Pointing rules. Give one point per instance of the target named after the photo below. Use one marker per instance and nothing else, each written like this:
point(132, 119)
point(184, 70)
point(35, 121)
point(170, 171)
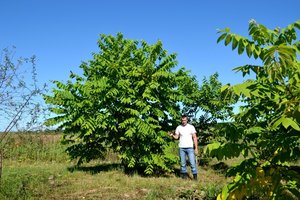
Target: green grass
point(41, 180)
point(35, 167)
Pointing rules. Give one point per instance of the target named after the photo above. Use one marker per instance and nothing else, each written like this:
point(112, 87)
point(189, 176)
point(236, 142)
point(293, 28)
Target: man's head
point(184, 120)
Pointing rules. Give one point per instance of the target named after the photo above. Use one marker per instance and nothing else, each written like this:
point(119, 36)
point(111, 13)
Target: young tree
point(19, 89)
point(126, 100)
point(266, 130)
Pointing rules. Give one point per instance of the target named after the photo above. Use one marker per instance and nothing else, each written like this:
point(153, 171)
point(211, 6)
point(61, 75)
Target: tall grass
point(35, 147)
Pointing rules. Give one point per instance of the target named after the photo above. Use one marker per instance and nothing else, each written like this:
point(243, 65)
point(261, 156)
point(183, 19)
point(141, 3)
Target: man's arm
point(195, 142)
point(174, 135)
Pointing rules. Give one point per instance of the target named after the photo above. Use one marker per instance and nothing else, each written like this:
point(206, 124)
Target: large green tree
point(127, 98)
point(266, 129)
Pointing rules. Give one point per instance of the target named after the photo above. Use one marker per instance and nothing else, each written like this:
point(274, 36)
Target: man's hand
point(171, 134)
point(196, 151)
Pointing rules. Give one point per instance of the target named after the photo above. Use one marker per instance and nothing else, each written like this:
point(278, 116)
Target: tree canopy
point(127, 98)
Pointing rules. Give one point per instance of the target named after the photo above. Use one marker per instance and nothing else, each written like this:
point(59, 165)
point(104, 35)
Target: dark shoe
point(184, 175)
point(195, 177)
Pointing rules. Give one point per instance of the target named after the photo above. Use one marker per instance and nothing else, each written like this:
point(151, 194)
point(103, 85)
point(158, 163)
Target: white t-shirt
point(185, 135)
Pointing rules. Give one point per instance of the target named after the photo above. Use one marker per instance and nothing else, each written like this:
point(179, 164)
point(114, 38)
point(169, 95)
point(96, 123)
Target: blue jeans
point(183, 152)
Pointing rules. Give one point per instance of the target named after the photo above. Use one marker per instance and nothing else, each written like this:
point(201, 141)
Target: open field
point(36, 167)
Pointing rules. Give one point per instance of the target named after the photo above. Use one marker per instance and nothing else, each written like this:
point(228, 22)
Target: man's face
point(184, 121)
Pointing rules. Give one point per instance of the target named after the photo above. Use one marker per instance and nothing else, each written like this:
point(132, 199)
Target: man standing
point(186, 133)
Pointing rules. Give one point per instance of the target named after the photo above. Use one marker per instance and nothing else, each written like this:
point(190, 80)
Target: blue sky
point(63, 33)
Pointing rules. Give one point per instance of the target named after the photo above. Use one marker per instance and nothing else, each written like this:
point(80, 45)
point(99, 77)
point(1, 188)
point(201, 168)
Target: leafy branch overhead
point(266, 129)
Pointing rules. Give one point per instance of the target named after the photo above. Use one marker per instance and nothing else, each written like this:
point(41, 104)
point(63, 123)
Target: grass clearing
point(41, 180)
point(36, 177)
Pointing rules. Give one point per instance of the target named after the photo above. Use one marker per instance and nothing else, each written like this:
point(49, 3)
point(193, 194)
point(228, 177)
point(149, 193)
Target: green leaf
point(256, 129)
point(210, 147)
point(225, 87)
point(235, 43)
point(221, 37)
point(249, 50)
point(241, 89)
point(225, 192)
point(228, 39)
point(286, 122)
point(241, 47)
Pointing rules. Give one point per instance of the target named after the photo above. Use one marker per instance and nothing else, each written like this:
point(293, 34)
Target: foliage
point(207, 108)
point(126, 100)
point(266, 129)
point(208, 100)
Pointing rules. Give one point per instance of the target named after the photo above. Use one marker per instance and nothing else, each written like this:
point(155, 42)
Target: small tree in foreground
point(19, 89)
point(266, 129)
point(126, 100)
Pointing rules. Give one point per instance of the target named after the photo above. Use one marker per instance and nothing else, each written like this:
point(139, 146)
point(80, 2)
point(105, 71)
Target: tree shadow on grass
point(221, 167)
point(177, 172)
point(105, 167)
point(96, 169)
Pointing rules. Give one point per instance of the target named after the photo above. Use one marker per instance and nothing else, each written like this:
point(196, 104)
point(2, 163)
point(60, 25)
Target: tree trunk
point(1, 162)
